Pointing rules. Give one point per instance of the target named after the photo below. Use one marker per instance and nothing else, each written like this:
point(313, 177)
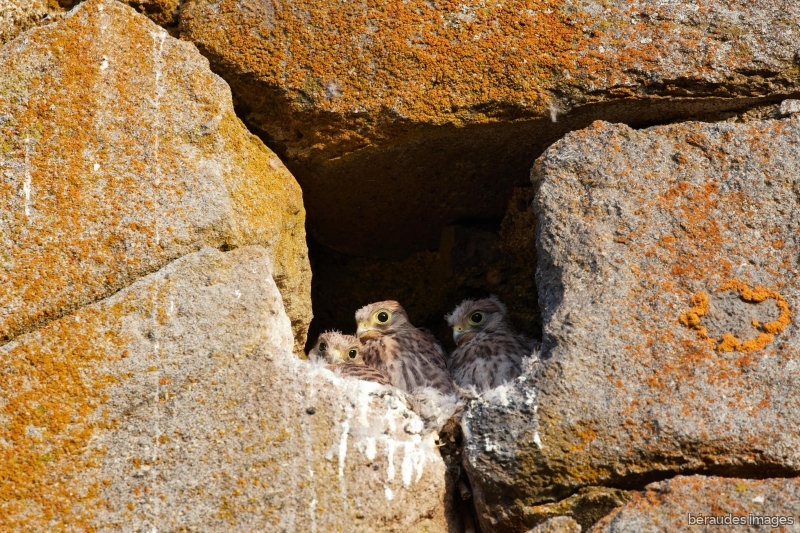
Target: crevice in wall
point(474, 259)
point(589, 504)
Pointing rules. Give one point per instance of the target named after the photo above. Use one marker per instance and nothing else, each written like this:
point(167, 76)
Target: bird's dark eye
point(383, 317)
point(352, 353)
point(476, 318)
point(323, 347)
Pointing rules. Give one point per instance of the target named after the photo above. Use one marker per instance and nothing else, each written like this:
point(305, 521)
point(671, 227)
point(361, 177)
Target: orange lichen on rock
point(759, 294)
point(52, 389)
point(691, 318)
point(729, 342)
point(115, 189)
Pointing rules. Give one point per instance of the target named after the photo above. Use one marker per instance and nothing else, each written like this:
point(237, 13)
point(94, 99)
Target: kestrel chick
point(362, 372)
point(335, 347)
point(410, 357)
point(343, 352)
point(488, 351)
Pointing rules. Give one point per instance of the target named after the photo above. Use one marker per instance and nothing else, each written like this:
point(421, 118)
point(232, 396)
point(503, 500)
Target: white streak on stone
point(370, 451)
point(389, 493)
point(538, 440)
point(422, 457)
point(390, 447)
point(343, 446)
point(26, 187)
point(407, 467)
point(364, 402)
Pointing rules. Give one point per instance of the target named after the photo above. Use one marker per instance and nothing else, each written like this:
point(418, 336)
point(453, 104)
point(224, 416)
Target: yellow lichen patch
point(729, 342)
point(52, 389)
point(270, 212)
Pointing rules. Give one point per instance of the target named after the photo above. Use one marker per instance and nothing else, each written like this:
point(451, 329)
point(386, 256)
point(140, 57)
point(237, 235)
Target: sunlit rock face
point(668, 284)
point(120, 153)
point(711, 502)
point(400, 118)
point(177, 404)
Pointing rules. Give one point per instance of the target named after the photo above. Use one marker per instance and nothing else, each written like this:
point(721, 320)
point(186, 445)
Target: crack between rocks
point(641, 486)
point(754, 472)
point(136, 276)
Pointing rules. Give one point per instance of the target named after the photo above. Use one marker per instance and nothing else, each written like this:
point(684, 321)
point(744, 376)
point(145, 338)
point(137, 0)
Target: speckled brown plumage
point(489, 352)
point(343, 352)
point(410, 357)
point(362, 372)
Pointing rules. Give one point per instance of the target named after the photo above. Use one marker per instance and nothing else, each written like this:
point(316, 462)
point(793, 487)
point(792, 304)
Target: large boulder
point(400, 118)
point(177, 405)
point(120, 152)
point(668, 282)
point(709, 503)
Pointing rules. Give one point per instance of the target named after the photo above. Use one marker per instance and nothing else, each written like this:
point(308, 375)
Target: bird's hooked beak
point(365, 333)
point(460, 335)
point(335, 356)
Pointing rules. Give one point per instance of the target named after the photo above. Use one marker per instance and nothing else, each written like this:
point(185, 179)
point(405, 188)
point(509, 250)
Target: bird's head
point(474, 316)
point(336, 348)
point(380, 318)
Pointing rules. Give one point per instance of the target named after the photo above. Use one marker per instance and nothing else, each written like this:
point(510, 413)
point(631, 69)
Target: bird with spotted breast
point(410, 357)
point(488, 351)
point(343, 353)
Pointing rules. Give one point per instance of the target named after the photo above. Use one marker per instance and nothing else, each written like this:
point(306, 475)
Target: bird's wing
point(434, 350)
point(363, 372)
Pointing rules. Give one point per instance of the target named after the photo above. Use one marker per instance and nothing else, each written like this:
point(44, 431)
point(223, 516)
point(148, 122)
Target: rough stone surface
point(400, 117)
point(790, 107)
point(558, 524)
point(642, 237)
point(177, 405)
point(765, 505)
point(17, 16)
point(119, 152)
point(585, 507)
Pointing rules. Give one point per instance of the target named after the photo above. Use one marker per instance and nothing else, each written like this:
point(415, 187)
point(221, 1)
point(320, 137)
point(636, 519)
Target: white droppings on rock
point(538, 440)
point(415, 426)
point(364, 401)
point(343, 445)
point(490, 446)
point(370, 451)
point(408, 465)
point(26, 187)
point(390, 447)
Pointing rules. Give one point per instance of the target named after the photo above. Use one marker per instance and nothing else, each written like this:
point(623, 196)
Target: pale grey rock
point(790, 107)
point(177, 405)
point(700, 503)
point(558, 524)
point(634, 226)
